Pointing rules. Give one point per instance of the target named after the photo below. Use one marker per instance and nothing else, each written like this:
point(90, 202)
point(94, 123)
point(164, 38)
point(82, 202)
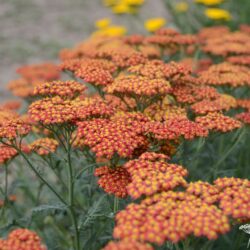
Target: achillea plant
point(134, 148)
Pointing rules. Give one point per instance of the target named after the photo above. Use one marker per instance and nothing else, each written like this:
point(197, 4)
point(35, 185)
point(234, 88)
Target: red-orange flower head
point(226, 74)
point(222, 103)
point(106, 137)
point(13, 128)
point(23, 239)
point(151, 174)
point(53, 110)
point(44, 71)
point(138, 85)
point(244, 117)
point(6, 153)
point(174, 128)
point(64, 89)
point(113, 181)
point(170, 216)
point(44, 146)
point(234, 198)
point(127, 245)
point(218, 122)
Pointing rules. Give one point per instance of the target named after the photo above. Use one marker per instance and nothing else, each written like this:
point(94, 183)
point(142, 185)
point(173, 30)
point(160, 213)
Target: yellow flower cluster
point(123, 6)
point(106, 28)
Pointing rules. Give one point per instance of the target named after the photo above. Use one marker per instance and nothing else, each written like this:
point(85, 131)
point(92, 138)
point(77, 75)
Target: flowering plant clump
point(129, 143)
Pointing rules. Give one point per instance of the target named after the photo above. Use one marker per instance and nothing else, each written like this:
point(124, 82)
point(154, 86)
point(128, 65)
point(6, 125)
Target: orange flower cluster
point(68, 89)
point(22, 87)
point(218, 122)
point(13, 128)
point(6, 153)
point(151, 174)
point(44, 71)
point(174, 128)
point(226, 74)
point(222, 103)
point(10, 105)
point(107, 137)
point(244, 117)
point(202, 210)
point(138, 85)
point(52, 110)
point(158, 69)
point(244, 103)
point(226, 44)
point(191, 93)
point(44, 146)
point(32, 75)
point(22, 239)
point(57, 110)
point(113, 181)
point(234, 197)
point(127, 245)
point(165, 111)
point(170, 216)
point(240, 60)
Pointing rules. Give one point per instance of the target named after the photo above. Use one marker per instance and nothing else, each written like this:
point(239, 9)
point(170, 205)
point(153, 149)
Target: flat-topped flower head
point(113, 181)
point(170, 216)
point(234, 197)
point(43, 71)
point(6, 153)
point(244, 117)
point(53, 110)
point(243, 60)
point(13, 128)
point(64, 89)
point(222, 103)
point(44, 146)
point(243, 103)
point(22, 87)
point(227, 44)
point(226, 74)
point(138, 85)
point(151, 174)
point(218, 122)
point(23, 239)
point(127, 245)
point(191, 93)
point(107, 137)
point(174, 128)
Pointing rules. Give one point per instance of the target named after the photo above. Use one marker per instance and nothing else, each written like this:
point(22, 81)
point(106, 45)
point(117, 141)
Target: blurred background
point(35, 30)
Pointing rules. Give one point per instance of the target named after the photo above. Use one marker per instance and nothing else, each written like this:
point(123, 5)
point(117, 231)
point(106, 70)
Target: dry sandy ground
point(35, 30)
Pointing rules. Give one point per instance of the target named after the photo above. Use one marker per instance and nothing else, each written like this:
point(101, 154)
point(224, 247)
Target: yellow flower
point(133, 2)
point(154, 24)
point(181, 7)
point(122, 8)
point(102, 23)
point(114, 30)
point(217, 14)
point(209, 2)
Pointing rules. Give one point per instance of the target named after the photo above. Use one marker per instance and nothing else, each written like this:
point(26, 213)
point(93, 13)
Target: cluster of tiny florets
point(218, 122)
point(113, 181)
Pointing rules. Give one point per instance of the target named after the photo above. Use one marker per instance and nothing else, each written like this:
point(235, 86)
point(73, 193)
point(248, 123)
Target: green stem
point(39, 176)
point(227, 153)
point(116, 204)
point(6, 184)
point(71, 194)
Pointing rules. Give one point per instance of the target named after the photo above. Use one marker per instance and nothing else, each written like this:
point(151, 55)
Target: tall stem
point(6, 184)
point(71, 194)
